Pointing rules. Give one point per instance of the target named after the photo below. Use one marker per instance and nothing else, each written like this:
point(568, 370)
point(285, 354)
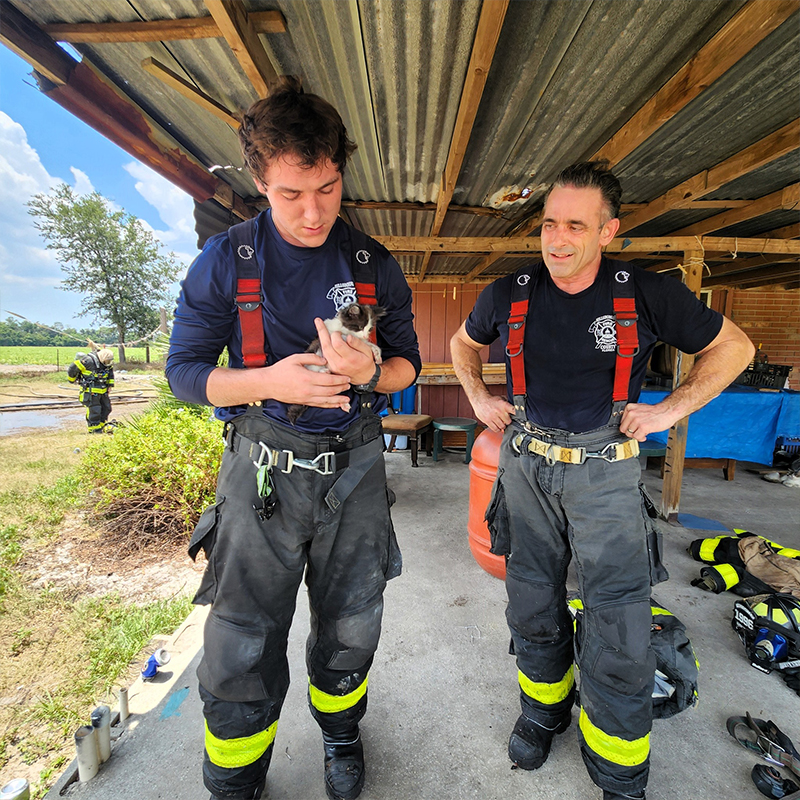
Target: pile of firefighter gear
point(776, 748)
point(94, 373)
point(767, 576)
point(677, 668)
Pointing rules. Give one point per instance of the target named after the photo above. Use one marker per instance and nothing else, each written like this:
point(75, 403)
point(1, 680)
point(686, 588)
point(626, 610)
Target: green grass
point(61, 356)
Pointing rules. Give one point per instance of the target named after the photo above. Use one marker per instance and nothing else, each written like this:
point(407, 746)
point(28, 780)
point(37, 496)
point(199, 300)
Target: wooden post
point(676, 442)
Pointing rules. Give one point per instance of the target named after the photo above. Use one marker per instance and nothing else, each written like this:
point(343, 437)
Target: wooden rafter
point(744, 31)
point(770, 148)
point(750, 263)
point(493, 12)
point(757, 277)
point(786, 232)
point(82, 91)
point(380, 205)
point(786, 198)
point(532, 244)
point(242, 38)
point(160, 30)
point(172, 79)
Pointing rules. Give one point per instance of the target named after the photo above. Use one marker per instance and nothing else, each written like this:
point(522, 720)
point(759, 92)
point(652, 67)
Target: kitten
point(357, 319)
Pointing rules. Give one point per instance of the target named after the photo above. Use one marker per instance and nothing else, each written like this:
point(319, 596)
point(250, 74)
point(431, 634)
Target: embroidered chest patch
point(343, 294)
point(605, 333)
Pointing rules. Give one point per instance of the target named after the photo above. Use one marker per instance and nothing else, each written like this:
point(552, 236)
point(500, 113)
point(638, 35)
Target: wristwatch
point(368, 388)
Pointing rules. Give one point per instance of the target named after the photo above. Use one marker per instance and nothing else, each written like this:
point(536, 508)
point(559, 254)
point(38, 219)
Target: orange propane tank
point(483, 471)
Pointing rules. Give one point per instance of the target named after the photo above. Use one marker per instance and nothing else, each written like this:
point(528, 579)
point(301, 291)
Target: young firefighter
point(308, 499)
point(579, 329)
point(94, 373)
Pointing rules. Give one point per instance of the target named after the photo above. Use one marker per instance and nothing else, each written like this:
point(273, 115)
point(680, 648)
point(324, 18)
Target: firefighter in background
point(94, 373)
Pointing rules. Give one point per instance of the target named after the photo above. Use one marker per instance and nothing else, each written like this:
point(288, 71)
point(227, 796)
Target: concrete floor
point(443, 690)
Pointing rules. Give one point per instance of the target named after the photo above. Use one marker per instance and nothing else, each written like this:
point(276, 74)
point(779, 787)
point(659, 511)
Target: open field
point(59, 356)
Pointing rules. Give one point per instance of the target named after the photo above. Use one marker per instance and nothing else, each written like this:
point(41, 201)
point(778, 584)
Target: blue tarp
point(743, 423)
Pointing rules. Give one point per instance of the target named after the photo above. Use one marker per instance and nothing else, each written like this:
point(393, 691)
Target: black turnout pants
point(541, 517)
point(254, 571)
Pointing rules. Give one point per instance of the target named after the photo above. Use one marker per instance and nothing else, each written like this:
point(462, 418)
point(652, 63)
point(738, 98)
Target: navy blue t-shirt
point(570, 339)
point(299, 283)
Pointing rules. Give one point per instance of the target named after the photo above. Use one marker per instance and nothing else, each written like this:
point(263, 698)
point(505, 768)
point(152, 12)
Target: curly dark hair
point(289, 121)
point(592, 175)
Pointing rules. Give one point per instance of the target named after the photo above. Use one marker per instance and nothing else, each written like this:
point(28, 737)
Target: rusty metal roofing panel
point(568, 74)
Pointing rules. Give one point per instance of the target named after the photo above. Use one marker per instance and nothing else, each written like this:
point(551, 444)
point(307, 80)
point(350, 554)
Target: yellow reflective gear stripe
point(707, 549)
point(331, 703)
point(657, 610)
point(229, 753)
point(576, 602)
point(789, 552)
point(728, 573)
point(547, 693)
point(612, 748)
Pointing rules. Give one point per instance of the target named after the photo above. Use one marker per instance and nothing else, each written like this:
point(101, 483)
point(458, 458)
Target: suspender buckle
point(628, 355)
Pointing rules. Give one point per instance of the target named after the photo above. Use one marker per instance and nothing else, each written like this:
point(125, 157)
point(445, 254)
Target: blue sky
point(42, 145)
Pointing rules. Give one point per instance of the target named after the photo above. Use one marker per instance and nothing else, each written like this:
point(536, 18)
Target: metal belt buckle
point(602, 453)
point(267, 451)
point(327, 459)
point(515, 443)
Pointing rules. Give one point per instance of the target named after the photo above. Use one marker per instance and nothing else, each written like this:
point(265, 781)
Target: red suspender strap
point(248, 294)
point(363, 268)
point(516, 335)
point(627, 335)
point(248, 301)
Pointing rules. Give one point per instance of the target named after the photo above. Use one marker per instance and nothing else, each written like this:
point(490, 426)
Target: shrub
point(153, 478)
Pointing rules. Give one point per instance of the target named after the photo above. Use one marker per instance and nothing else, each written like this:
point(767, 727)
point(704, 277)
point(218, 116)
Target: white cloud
point(29, 273)
point(83, 184)
point(174, 206)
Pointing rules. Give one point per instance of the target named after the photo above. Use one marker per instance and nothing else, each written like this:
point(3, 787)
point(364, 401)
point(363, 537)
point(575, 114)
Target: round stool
point(453, 424)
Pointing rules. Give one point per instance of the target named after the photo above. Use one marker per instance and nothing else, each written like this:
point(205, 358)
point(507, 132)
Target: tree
point(109, 257)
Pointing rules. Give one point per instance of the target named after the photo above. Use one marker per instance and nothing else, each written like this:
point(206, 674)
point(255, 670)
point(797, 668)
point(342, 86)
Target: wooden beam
point(103, 106)
point(754, 22)
point(379, 205)
point(243, 40)
point(754, 262)
point(676, 440)
point(173, 80)
point(770, 148)
point(786, 232)
point(490, 22)
point(756, 277)
point(786, 198)
point(533, 244)
point(482, 267)
point(158, 30)
point(25, 38)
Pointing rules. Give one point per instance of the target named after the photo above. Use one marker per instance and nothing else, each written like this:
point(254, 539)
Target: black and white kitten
point(357, 319)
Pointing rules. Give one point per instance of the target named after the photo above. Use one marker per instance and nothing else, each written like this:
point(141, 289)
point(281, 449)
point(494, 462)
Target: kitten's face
point(360, 318)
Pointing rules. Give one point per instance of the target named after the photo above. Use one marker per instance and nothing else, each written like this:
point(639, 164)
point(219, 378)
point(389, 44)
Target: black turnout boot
point(530, 741)
point(344, 765)
point(616, 796)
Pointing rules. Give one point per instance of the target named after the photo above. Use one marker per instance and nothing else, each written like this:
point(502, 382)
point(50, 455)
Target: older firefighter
point(94, 373)
point(578, 330)
point(305, 500)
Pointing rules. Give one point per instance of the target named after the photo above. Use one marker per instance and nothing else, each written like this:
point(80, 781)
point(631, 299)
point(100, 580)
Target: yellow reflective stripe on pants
point(230, 753)
point(707, 549)
point(612, 748)
point(547, 693)
point(728, 574)
point(331, 703)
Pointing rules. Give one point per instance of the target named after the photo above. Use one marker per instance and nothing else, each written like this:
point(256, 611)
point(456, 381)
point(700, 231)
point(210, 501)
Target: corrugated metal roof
point(756, 97)
point(566, 75)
